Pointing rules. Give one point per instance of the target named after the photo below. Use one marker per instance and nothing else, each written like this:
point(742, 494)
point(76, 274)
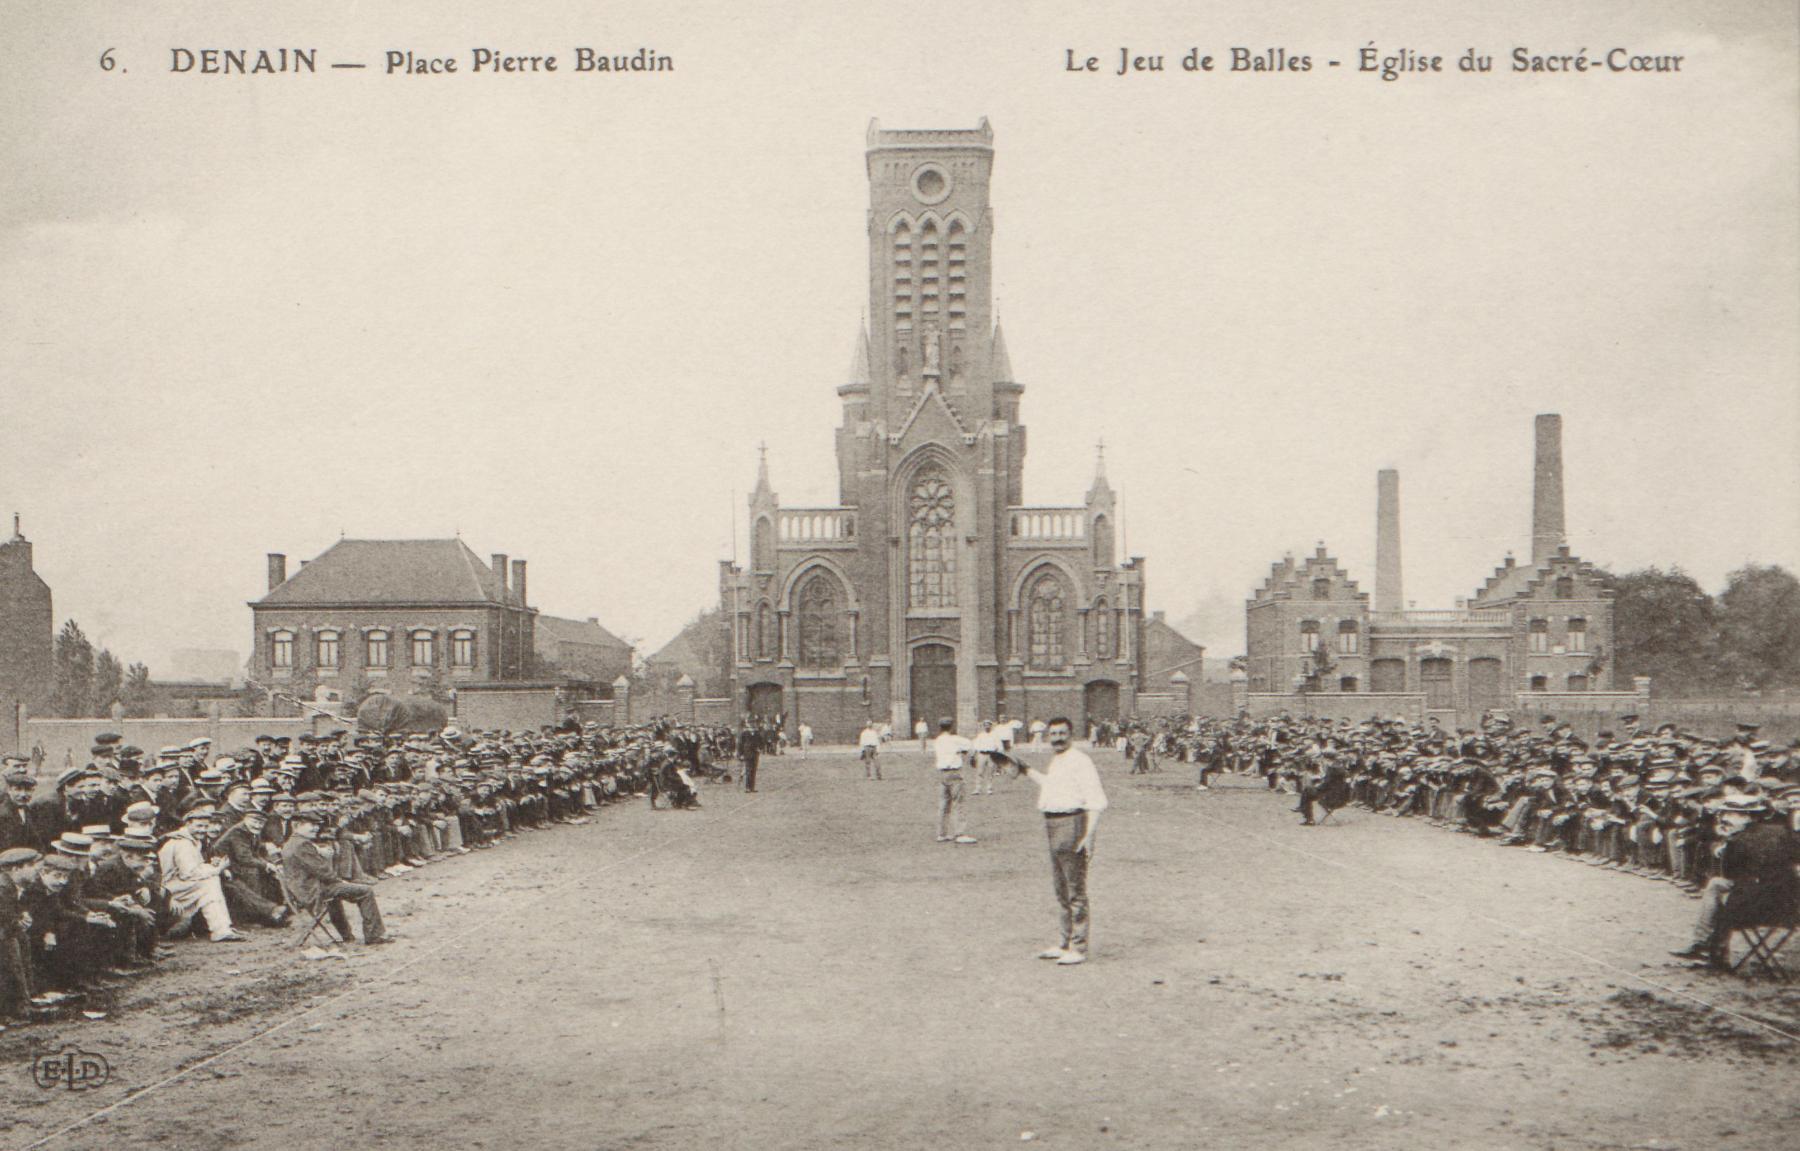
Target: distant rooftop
point(393, 572)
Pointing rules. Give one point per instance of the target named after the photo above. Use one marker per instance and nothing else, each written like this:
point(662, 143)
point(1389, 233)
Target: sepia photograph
point(809, 576)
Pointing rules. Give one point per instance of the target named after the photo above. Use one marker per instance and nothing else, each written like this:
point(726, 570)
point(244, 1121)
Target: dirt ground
point(806, 968)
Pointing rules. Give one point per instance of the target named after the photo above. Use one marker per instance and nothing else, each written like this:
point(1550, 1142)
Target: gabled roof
point(1508, 580)
point(1287, 574)
point(393, 572)
point(931, 392)
point(684, 651)
point(557, 629)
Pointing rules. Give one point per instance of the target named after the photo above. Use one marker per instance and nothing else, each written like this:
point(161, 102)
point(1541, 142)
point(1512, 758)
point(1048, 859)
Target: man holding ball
point(1071, 800)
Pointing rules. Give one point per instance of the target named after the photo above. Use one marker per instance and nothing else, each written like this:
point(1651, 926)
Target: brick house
point(27, 635)
point(581, 650)
point(413, 616)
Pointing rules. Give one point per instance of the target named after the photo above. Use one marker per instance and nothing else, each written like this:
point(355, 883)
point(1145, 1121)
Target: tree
point(72, 674)
point(1665, 626)
point(109, 683)
point(1759, 628)
point(138, 700)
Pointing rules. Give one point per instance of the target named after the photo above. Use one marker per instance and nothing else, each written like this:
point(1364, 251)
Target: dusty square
point(806, 968)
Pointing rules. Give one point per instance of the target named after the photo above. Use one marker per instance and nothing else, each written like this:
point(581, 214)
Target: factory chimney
point(1388, 594)
point(1547, 533)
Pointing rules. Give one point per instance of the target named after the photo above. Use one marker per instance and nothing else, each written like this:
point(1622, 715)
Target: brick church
point(932, 589)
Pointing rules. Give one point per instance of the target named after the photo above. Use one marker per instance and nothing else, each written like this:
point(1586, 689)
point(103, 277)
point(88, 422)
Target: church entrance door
point(765, 700)
point(933, 683)
point(1100, 701)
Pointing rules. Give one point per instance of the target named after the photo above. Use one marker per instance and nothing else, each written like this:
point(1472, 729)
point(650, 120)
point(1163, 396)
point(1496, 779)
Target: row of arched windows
point(821, 638)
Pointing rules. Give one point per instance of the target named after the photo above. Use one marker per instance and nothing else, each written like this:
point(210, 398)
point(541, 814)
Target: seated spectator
point(313, 880)
point(1756, 881)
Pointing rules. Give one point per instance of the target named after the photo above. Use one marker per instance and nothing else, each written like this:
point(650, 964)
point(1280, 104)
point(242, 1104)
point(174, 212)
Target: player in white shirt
point(1071, 800)
point(987, 747)
point(870, 744)
point(951, 753)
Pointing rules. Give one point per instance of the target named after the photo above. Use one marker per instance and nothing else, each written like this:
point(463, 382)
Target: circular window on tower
point(930, 184)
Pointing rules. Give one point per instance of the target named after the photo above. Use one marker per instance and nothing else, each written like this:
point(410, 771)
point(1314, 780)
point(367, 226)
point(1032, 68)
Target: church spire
point(762, 469)
point(1100, 492)
point(1003, 369)
point(859, 362)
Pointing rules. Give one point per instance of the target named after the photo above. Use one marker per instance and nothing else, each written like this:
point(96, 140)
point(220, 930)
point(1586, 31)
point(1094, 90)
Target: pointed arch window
point(762, 546)
point(821, 615)
point(1103, 630)
point(765, 632)
point(1047, 612)
point(931, 542)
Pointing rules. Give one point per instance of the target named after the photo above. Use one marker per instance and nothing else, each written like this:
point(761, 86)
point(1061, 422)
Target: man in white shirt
point(951, 752)
point(1071, 800)
point(987, 748)
point(870, 744)
point(922, 731)
point(806, 738)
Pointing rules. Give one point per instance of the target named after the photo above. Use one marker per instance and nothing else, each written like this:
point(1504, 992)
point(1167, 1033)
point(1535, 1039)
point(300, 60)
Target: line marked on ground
point(387, 982)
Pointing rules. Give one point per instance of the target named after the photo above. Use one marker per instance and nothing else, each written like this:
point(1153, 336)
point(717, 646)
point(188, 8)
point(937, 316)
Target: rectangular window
point(1578, 635)
point(325, 651)
point(1540, 636)
point(378, 649)
point(1540, 683)
point(1347, 684)
point(1578, 683)
point(1349, 638)
point(423, 649)
point(281, 649)
point(462, 649)
point(1309, 635)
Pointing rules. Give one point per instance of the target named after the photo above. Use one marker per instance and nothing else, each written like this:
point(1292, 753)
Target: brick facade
point(931, 589)
point(1537, 628)
point(415, 617)
point(27, 636)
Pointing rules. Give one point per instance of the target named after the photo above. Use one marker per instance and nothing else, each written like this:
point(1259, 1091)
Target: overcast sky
point(556, 313)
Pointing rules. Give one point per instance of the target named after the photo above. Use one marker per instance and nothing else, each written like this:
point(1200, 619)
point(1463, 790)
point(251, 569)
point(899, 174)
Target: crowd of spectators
point(104, 866)
point(1665, 804)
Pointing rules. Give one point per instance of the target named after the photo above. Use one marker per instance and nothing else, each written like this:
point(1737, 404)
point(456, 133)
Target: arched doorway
point(1387, 675)
point(1487, 685)
point(764, 700)
point(1437, 677)
point(933, 683)
point(1099, 704)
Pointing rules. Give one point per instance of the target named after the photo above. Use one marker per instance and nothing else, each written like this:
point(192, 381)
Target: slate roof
point(556, 629)
point(393, 572)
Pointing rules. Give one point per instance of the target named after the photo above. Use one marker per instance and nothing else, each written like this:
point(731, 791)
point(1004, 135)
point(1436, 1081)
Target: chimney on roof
point(277, 570)
point(1547, 532)
point(519, 580)
point(595, 620)
point(1388, 596)
point(499, 561)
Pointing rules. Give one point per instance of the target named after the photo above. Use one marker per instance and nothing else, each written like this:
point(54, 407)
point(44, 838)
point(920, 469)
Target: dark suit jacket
point(241, 847)
point(15, 831)
point(307, 872)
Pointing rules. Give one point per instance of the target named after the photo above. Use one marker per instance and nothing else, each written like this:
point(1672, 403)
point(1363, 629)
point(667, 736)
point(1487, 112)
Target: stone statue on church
point(900, 364)
point(931, 351)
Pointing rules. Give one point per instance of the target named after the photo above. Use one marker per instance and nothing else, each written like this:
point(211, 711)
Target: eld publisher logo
point(72, 1069)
